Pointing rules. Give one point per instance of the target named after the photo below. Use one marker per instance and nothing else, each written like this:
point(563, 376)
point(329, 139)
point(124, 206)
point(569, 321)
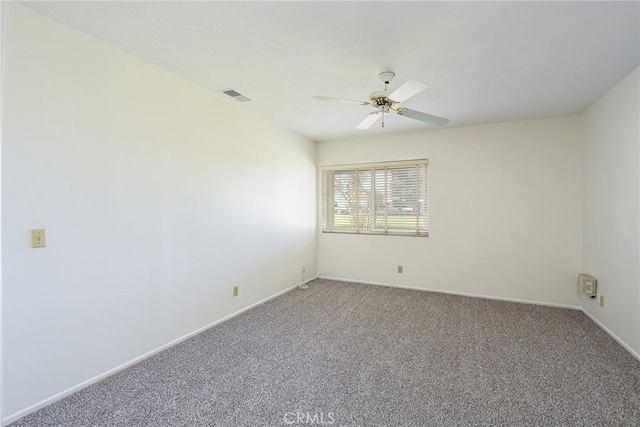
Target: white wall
point(157, 196)
point(611, 213)
point(2, 15)
point(504, 212)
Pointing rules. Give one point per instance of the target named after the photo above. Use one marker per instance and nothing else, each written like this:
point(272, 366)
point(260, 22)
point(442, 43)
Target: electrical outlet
point(601, 300)
point(235, 291)
point(38, 238)
point(400, 269)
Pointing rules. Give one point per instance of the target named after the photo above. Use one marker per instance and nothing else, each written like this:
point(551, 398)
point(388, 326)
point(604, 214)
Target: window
point(376, 198)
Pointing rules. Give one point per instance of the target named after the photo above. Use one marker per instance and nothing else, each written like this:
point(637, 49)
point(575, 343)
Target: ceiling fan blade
point(340, 100)
point(368, 121)
point(408, 89)
point(423, 117)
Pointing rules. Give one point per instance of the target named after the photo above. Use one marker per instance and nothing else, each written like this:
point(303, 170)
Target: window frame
point(368, 206)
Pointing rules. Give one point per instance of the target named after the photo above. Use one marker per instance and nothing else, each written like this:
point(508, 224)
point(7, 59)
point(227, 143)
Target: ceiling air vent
point(236, 95)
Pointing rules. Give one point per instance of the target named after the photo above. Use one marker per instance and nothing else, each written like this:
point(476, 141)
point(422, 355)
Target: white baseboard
point(611, 334)
point(15, 416)
point(464, 294)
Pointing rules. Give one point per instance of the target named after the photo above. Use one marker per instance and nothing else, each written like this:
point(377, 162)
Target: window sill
point(379, 233)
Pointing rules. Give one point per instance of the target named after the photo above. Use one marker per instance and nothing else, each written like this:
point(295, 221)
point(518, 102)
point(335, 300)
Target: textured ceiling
point(484, 61)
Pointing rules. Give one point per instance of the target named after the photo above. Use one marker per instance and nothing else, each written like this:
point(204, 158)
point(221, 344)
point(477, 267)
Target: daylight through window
point(376, 198)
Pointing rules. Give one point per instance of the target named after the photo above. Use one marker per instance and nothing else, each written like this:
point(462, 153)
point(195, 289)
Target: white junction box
point(588, 284)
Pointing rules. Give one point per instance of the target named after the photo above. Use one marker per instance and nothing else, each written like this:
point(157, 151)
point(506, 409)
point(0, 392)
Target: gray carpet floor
point(347, 354)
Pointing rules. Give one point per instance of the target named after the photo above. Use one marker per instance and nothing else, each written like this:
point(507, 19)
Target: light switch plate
point(38, 238)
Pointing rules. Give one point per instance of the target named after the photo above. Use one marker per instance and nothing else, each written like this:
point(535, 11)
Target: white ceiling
point(484, 61)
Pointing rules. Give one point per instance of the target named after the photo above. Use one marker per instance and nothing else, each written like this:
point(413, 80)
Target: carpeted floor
point(347, 354)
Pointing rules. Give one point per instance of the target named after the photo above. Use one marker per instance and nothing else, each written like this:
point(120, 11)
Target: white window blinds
point(376, 198)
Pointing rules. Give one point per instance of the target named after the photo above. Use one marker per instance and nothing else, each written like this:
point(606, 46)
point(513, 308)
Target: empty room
point(368, 213)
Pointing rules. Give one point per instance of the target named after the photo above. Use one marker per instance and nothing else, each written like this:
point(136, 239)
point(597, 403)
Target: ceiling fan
point(384, 102)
